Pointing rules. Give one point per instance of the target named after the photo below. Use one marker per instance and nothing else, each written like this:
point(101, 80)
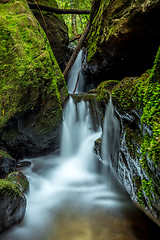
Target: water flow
point(111, 133)
point(68, 197)
point(74, 74)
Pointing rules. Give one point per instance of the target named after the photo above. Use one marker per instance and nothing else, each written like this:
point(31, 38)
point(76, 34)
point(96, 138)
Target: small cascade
point(77, 125)
point(111, 133)
point(69, 198)
point(74, 74)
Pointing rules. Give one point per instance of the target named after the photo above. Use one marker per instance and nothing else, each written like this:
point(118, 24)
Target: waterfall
point(69, 198)
point(110, 138)
point(73, 76)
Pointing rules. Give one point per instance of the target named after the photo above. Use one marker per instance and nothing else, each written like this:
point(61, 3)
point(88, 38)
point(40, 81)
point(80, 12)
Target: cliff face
point(137, 166)
point(56, 30)
point(123, 39)
point(32, 87)
point(123, 42)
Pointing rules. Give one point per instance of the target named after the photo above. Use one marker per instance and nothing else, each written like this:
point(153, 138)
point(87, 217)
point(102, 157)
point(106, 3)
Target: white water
point(73, 75)
point(111, 132)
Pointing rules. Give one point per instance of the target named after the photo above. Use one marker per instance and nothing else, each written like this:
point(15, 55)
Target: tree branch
point(75, 38)
point(58, 11)
point(75, 52)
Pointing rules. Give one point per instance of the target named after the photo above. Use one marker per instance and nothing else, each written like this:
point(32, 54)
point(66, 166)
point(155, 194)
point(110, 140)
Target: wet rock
point(137, 165)
point(12, 204)
point(23, 164)
point(7, 165)
point(20, 180)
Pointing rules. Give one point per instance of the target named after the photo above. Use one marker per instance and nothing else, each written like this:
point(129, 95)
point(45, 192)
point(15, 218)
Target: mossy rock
point(104, 89)
point(20, 180)
point(32, 87)
point(55, 29)
point(13, 204)
point(4, 154)
point(139, 98)
point(123, 38)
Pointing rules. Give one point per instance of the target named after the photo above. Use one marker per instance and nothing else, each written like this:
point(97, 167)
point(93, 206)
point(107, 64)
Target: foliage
point(81, 20)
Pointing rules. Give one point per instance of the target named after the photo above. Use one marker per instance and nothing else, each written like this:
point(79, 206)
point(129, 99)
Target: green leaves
point(81, 20)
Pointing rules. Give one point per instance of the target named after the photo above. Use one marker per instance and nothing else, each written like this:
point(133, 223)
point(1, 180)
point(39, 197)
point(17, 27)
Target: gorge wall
point(124, 42)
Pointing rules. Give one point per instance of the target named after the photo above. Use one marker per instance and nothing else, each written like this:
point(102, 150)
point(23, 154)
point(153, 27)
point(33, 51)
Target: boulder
point(55, 29)
point(32, 87)
point(20, 180)
point(12, 204)
point(123, 39)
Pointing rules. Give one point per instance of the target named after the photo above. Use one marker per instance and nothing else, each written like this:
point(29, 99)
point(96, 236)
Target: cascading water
point(74, 74)
point(111, 133)
point(68, 198)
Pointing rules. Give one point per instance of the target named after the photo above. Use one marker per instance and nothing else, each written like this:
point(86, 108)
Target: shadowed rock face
point(123, 39)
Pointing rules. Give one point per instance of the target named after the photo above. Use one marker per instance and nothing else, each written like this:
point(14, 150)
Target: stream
point(73, 196)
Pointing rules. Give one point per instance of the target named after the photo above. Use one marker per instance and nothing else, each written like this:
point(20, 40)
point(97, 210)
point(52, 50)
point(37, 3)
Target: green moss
point(4, 154)
point(20, 180)
point(49, 3)
point(123, 93)
point(95, 31)
point(29, 73)
point(143, 95)
point(8, 188)
point(104, 89)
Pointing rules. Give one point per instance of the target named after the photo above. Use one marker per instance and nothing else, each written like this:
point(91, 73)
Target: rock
point(138, 163)
point(13, 204)
point(23, 164)
point(20, 180)
point(57, 31)
point(32, 87)
point(7, 165)
point(123, 39)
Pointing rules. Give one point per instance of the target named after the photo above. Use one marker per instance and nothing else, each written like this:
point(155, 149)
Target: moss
point(29, 73)
point(123, 93)
point(104, 89)
point(103, 28)
point(143, 95)
point(50, 3)
point(4, 154)
point(8, 188)
point(95, 33)
point(20, 180)
point(149, 96)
